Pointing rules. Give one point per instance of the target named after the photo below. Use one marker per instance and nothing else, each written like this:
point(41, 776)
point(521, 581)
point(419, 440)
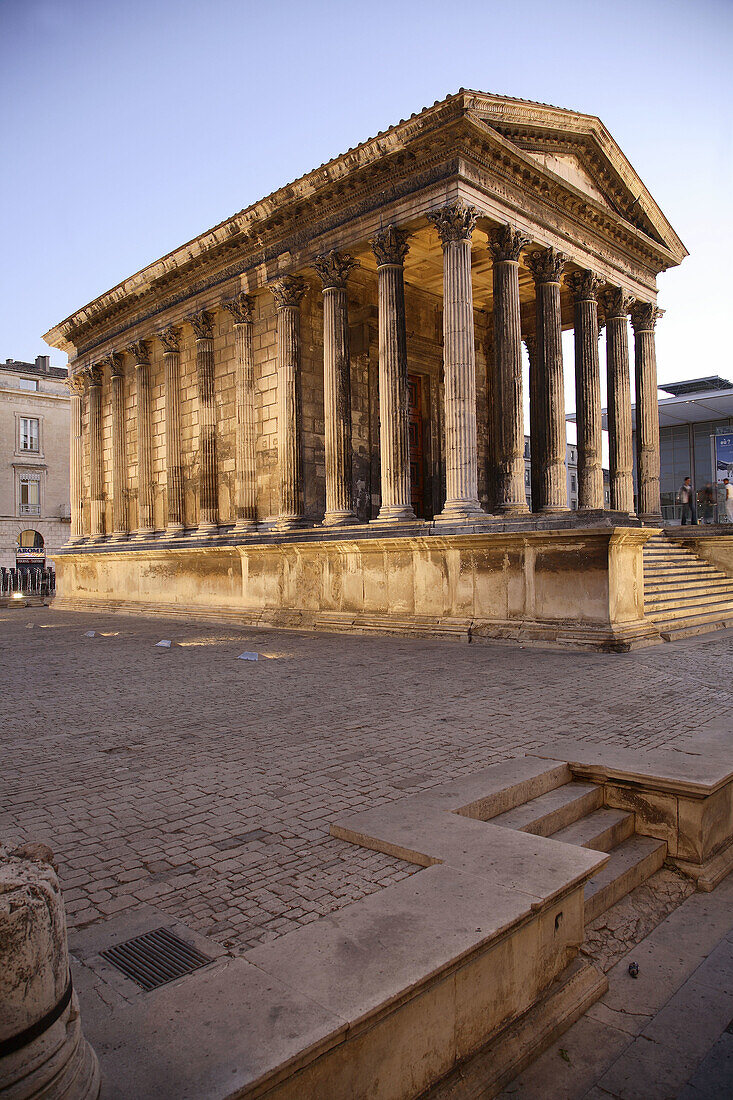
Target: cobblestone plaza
point(186, 779)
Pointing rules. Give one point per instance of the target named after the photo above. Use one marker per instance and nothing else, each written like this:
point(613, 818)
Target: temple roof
point(561, 146)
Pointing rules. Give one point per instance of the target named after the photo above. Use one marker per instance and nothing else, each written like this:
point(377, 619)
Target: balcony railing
point(30, 509)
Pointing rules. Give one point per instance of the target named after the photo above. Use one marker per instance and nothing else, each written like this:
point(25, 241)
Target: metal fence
point(27, 580)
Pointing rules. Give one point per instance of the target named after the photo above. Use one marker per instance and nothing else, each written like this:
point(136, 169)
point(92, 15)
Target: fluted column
point(119, 450)
point(536, 422)
point(455, 223)
point(245, 486)
point(506, 243)
point(616, 306)
point(96, 477)
point(202, 324)
point(584, 286)
point(76, 457)
point(288, 293)
point(170, 339)
point(493, 419)
point(546, 266)
point(644, 317)
point(333, 269)
point(139, 351)
point(390, 248)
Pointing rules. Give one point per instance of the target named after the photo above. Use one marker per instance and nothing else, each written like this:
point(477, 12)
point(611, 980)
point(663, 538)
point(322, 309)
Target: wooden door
point(417, 444)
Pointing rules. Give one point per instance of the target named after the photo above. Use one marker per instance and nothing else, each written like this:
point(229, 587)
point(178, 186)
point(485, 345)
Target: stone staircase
point(683, 593)
point(573, 812)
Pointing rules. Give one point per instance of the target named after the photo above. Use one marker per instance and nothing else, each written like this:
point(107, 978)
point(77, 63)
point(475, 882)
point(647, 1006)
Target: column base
point(120, 536)
point(77, 540)
point(339, 519)
point(142, 534)
point(460, 513)
point(393, 514)
point(98, 537)
point(174, 531)
point(651, 519)
point(553, 510)
point(509, 509)
point(207, 528)
point(290, 523)
point(244, 527)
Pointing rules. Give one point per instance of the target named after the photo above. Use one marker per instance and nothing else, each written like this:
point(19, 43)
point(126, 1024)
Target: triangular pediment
point(569, 167)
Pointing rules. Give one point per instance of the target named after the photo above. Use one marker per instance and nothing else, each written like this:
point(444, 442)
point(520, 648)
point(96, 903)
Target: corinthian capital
point(546, 265)
point(240, 307)
point(584, 285)
point(455, 221)
point(616, 302)
point(390, 245)
point(644, 316)
point(93, 375)
point(202, 324)
point(333, 268)
point(288, 291)
point(140, 352)
point(170, 338)
point(75, 382)
point(114, 363)
point(506, 243)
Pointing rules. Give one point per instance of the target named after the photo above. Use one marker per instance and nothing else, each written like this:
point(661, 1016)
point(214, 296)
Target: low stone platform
point(386, 997)
point(571, 585)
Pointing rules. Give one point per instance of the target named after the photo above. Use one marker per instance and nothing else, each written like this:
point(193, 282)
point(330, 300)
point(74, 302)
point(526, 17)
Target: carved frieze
point(546, 265)
point(333, 268)
point(455, 221)
point(240, 307)
point(389, 245)
point(288, 291)
point(506, 243)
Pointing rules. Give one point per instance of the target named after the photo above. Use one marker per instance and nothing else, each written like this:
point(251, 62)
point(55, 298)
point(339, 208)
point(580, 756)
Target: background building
point(571, 462)
point(34, 461)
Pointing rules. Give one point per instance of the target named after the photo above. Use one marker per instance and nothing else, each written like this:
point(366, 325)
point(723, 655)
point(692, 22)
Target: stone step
point(688, 627)
point(707, 601)
point(670, 575)
point(630, 864)
point(600, 830)
point(698, 584)
point(554, 810)
point(690, 610)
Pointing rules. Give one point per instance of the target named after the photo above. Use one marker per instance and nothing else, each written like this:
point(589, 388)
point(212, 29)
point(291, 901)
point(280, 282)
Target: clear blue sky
point(127, 128)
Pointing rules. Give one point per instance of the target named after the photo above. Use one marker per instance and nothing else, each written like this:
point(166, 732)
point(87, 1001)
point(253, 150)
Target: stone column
point(333, 269)
point(390, 248)
point(506, 244)
point(170, 339)
point(536, 422)
point(287, 293)
point(96, 477)
point(584, 286)
point(455, 223)
point(202, 324)
point(493, 419)
point(546, 266)
point(616, 306)
point(76, 458)
point(245, 493)
point(644, 317)
point(119, 449)
point(141, 358)
point(43, 1052)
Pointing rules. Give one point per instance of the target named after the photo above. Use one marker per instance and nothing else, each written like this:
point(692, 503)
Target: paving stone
point(134, 769)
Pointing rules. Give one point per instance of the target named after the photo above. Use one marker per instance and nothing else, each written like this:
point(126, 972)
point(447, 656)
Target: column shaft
point(119, 451)
point(455, 223)
point(173, 466)
point(96, 477)
point(288, 292)
point(246, 474)
point(643, 318)
point(584, 286)
point(390, 248)
point(139, 353)
point(506, 244)
point(547, 266)
point(76, 459)
point(203, 327)
point(536, 422)
point(616, 306)
point(333, 269)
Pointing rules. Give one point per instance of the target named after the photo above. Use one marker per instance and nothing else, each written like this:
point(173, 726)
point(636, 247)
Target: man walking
point(684, 496)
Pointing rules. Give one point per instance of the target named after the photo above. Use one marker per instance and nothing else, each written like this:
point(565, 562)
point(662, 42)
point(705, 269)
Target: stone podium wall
point(583, 586)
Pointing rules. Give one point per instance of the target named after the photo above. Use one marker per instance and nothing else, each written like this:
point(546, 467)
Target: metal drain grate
point(155, 958)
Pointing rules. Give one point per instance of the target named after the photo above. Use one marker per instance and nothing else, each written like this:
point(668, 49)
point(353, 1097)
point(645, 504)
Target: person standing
point(684, 496)
point(728, 499)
